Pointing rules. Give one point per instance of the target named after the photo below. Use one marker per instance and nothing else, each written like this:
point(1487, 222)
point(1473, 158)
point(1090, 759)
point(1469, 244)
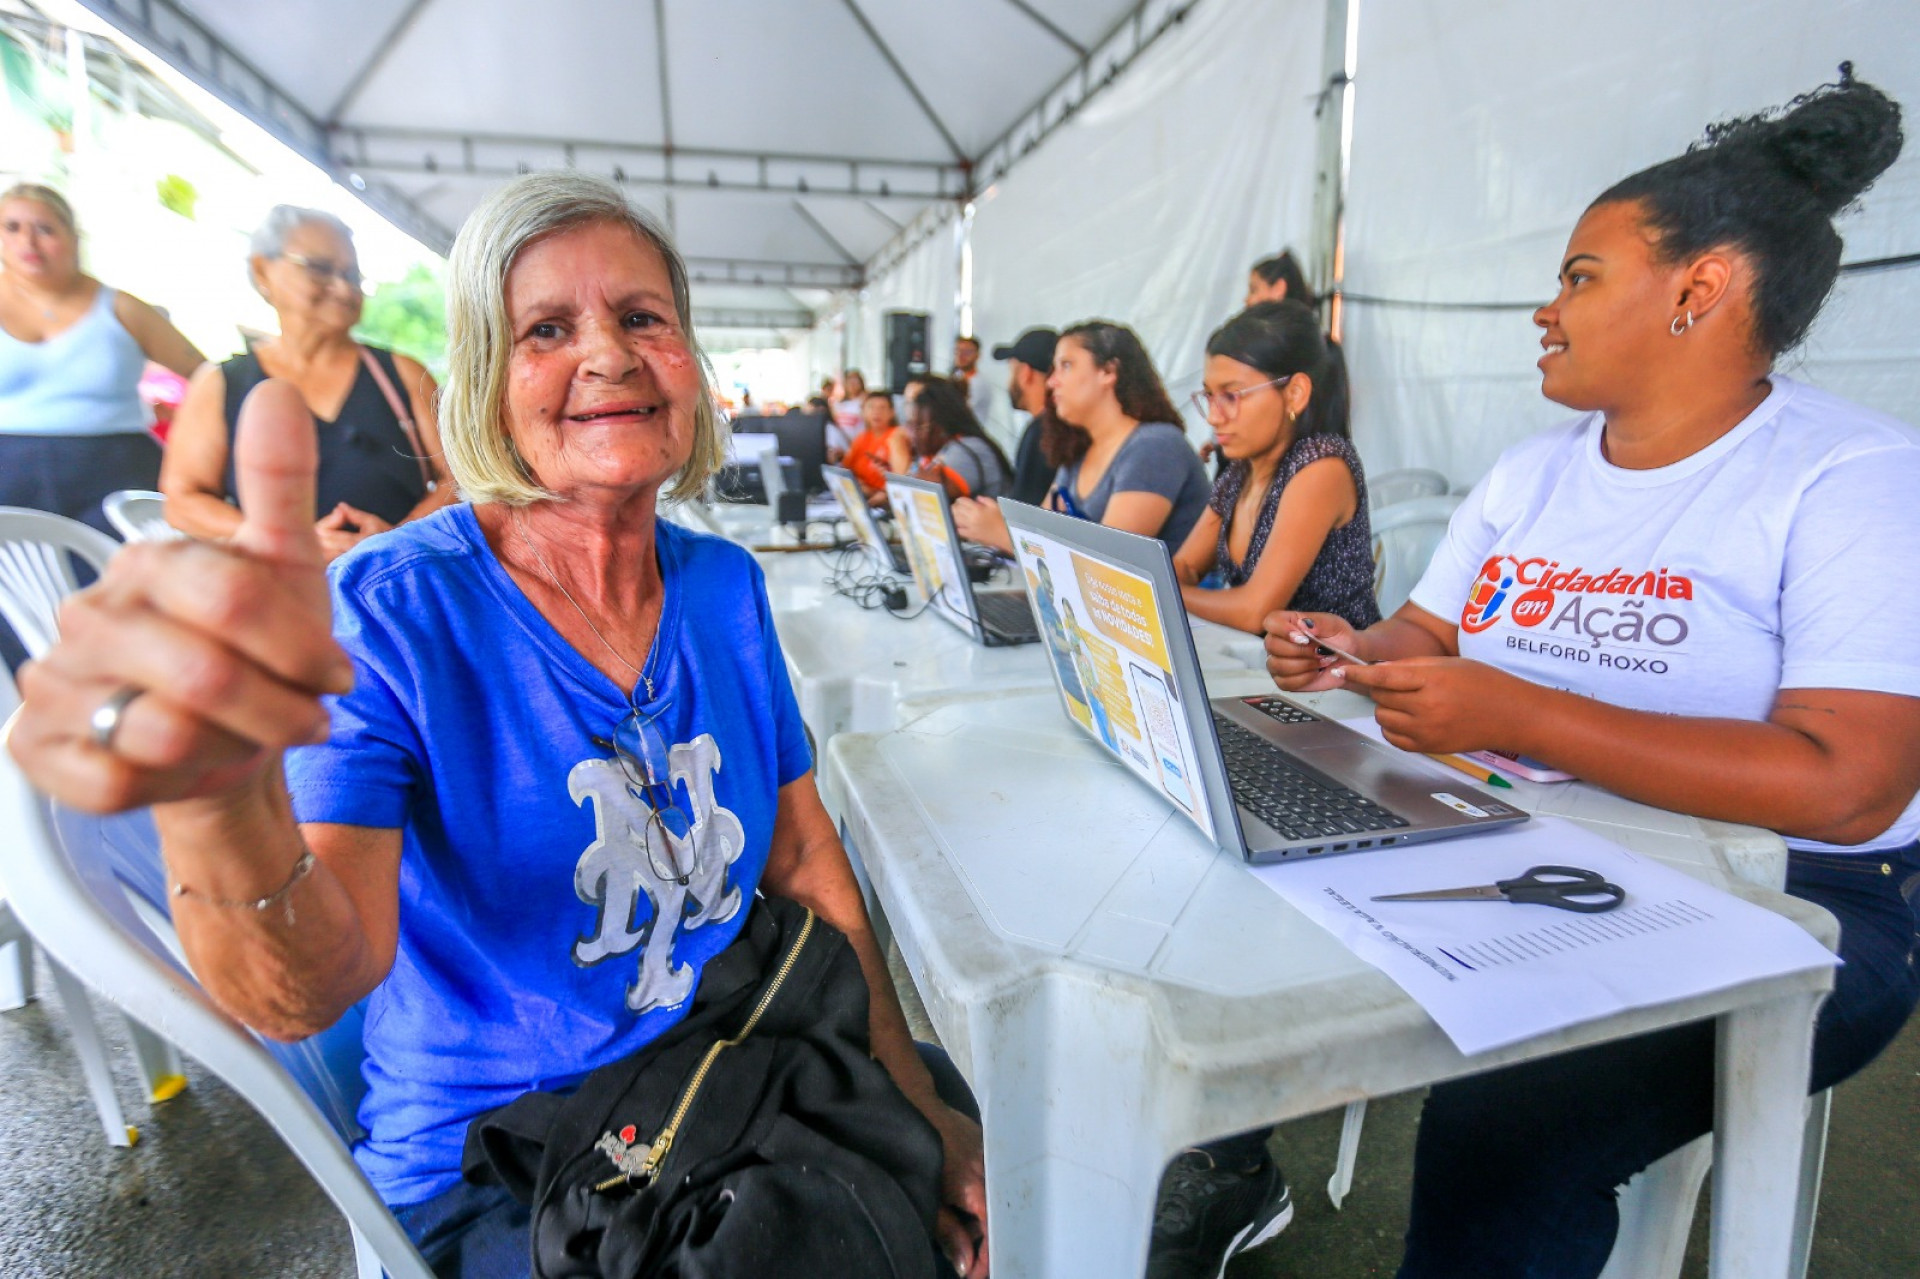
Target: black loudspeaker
point(906, 348)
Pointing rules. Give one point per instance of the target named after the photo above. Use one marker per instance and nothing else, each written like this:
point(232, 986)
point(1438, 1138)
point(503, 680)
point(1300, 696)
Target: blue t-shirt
point(529, 896)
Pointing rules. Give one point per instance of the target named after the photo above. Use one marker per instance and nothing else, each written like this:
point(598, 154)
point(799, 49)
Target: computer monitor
point(803, 437)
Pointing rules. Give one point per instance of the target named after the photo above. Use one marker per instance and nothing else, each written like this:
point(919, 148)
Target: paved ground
point(209, 1191)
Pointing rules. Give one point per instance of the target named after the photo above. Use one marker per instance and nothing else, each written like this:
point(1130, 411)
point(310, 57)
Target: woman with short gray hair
point(380, 462)
point(540, 750)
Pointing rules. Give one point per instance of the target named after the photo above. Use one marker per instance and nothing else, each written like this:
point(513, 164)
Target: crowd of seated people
point(341, 823)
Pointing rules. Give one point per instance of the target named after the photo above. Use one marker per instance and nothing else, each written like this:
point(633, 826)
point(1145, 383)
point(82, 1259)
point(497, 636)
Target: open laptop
point(994, 617)
point(886, 557)
point(1262, 776)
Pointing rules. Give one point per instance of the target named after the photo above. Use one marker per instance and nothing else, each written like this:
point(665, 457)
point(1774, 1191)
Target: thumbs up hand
point(215, 655)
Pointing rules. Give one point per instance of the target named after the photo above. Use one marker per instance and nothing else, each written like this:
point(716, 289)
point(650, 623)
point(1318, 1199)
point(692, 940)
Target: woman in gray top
point(1123, 460)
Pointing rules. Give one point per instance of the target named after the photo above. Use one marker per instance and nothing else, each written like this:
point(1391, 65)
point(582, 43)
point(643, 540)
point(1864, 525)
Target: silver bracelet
point(282, 895)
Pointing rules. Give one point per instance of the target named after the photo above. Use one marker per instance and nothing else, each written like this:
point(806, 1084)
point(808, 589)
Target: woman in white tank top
point(72, 428)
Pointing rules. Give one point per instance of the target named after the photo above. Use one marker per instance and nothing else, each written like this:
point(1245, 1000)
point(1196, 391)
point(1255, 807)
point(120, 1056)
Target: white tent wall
point(1482, 131)
point(817, 353)
point(925, 278)
point(1150, 204)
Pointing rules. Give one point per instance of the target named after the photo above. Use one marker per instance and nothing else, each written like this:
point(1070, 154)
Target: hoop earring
point(1677, 328)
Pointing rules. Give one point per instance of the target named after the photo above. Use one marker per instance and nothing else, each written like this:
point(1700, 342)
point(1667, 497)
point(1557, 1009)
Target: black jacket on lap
point(797, 1157)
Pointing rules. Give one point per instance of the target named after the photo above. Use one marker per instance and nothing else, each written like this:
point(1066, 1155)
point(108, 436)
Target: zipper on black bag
point(647, 1168)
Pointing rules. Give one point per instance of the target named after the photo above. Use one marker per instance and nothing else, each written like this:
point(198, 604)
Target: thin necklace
point(674, 872)
point(20, 290)
point(521, 525)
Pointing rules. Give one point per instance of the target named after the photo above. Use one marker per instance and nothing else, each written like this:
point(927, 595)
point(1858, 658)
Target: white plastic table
point(854, 669)
point(798, 579)
point(747, 523)
point(1117, 989)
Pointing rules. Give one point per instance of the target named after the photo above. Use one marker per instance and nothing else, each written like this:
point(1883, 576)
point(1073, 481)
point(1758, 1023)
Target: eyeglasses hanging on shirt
point(637, 746)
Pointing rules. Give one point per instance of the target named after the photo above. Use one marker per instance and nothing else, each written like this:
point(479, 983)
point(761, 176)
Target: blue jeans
point(481, 1232)
point(1515, 1171)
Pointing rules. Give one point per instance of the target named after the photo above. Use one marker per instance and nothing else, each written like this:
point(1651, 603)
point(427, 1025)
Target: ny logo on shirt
point(619, 868)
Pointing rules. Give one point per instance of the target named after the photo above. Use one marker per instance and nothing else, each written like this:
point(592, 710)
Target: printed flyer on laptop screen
point(932, 554)
point(1102, 628)
point(854, 507)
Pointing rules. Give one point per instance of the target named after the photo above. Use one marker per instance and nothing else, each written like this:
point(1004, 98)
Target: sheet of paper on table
point(1494, 973)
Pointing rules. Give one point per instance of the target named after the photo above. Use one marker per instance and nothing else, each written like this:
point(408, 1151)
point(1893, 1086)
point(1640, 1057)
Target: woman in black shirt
point(380, 462)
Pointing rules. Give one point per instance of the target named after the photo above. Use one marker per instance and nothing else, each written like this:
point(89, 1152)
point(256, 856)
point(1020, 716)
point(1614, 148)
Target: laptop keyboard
point(1006, 613)
point(1294, 802)
point(1281, 709)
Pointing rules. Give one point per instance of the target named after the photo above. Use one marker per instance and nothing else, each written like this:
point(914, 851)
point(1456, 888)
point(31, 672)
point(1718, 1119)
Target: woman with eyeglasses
point(1286, 526)
point(1122, 458)
point(1287, 523)
point(380, 455)
point(518, 773)
point(72, 428)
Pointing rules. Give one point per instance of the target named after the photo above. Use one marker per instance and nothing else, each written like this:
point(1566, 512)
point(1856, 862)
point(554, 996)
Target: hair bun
point(1833, 141)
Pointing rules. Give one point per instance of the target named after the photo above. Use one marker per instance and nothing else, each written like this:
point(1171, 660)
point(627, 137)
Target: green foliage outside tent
point(177, 194)
point(409, 315)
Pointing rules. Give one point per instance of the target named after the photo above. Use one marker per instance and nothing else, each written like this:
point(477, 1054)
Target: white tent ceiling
point(786, 143)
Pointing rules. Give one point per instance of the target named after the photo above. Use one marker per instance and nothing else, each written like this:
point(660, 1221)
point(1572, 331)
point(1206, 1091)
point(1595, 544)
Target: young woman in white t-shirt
point(1693, 596)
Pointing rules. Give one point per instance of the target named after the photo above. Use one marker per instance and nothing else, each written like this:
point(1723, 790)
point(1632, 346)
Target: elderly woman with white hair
point(403, 781)
point(380, 455)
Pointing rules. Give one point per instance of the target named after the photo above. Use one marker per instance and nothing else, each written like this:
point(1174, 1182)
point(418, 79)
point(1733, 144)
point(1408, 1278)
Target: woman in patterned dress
point(1287, 521)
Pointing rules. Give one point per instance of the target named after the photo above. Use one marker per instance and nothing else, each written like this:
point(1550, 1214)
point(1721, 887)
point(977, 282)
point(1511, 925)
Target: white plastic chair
point(140, 516)
point(1657, 1205)
point(37, 554)
point(1404, 537)
point(93, 888)
point(1390, 488)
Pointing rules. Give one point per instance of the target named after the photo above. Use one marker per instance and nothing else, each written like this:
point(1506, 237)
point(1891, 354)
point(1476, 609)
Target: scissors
point(1562, 887)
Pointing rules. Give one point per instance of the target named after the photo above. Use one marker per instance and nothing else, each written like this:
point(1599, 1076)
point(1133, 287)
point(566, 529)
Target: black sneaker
point(1209, 1214)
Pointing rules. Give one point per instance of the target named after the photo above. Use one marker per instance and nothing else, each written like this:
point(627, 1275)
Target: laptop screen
point(933, 549)
point(1118, 669)
point(853, 504)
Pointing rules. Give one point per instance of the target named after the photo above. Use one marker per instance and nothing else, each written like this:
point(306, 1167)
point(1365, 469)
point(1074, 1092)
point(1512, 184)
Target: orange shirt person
point(867, 455)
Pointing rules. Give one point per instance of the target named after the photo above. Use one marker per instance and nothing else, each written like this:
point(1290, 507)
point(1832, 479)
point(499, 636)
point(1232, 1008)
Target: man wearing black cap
point(1029, 360)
